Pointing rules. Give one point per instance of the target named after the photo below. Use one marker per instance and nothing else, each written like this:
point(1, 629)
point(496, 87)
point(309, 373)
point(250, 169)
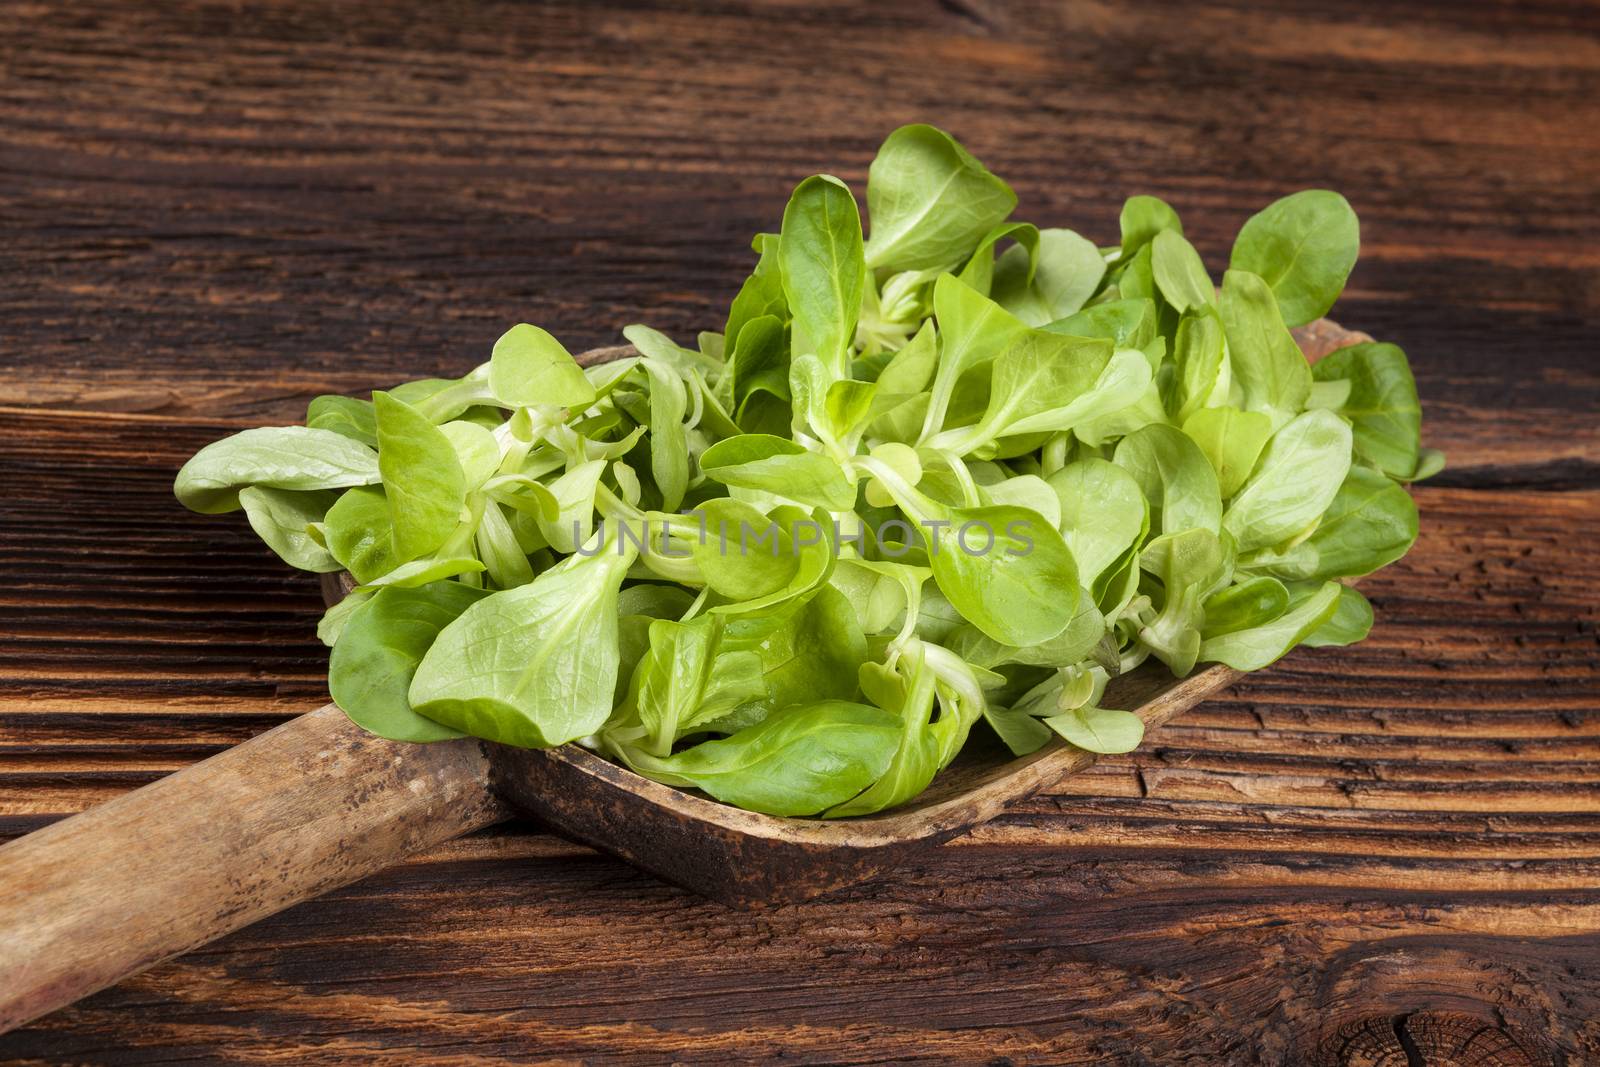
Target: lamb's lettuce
point(961, 469)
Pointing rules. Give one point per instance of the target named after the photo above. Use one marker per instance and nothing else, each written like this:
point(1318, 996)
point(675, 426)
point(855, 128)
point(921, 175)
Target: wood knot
point(1429, 1039)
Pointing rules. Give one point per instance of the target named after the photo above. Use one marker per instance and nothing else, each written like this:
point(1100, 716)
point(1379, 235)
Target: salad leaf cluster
point(957, 470)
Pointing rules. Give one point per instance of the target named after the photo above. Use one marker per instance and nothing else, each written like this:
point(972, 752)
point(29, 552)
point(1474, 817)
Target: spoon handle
point(311, 805)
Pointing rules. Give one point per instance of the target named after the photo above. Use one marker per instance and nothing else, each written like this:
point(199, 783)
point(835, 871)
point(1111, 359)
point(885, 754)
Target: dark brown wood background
point(1389, 854)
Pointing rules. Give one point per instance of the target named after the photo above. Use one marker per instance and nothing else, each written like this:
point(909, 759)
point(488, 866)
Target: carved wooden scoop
point(318, 803)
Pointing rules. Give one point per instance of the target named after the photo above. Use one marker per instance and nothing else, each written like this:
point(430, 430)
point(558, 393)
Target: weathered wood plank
point(1084, 956)
point(264, 246)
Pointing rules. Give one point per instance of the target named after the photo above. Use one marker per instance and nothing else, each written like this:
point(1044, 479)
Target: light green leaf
point(881, 591)
point(1123, 384)
point(533, 666)
point(1103, 730)
point(1189, 566)
point(441, 399)
point(356, 530)
point(1055, 284)
point(1179, 274)
point(530, 368)
point(806, 554)
point(281, 457)
point(908, 691)
point(653, 344)
point(422, 478)
point(1042, 382)
point(908, 375)
point(1265, 362)
point(420, 572)
point(685, 680)
point(1126, 323)
point(574, 493)
point(1371, 523)
point(1177, 480)
point(1022, 733)
point(1136, 279)
point(344, 415)
point(1332, 394)
point(525, 494)
point(476, 451)
point(1103, 513)
point(1430, 461)
point(1200, 368)
point(979, 269)
point(1350, 622)
point(496, 542)
point(759, 363)
point(760, 296)
point(280, 518)
point(810, 647)
point(1024, 491)
point(669, 446)
point(912, 368)
point(1254, 648)
point(1303, 247)
point(332, 623)
point(1382, 406)
point(778, 465)
point(1248, 604)
point(930, 201)
point(1072, 645)
point(973, 330)
point(1103, 429)
point(1005, 570)
point(1142, 218)
point(637, 607)
point(1296, 479)
point(370, 670)
point(1232, 440)
point(796, 762)
point(743, 554)
point(820, 259)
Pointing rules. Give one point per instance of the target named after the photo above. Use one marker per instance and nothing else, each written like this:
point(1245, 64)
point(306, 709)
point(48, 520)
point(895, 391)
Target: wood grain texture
point(209, 213)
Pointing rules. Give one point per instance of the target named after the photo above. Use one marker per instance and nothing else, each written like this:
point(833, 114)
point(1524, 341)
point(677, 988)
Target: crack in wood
point(1408, 1045)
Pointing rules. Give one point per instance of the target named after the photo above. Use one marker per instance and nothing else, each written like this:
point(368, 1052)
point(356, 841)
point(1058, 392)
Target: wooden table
point(1383, 855)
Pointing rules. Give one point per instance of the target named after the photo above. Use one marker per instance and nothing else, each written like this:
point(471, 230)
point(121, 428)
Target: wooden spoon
point(317, 803)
